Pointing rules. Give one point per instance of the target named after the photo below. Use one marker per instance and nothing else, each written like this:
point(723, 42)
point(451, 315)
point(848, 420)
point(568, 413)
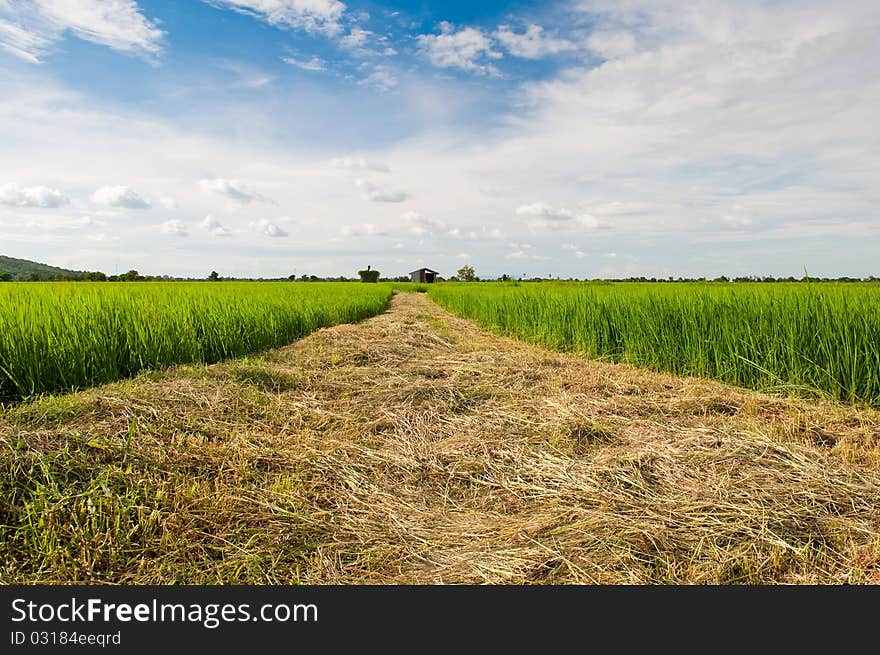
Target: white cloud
point(524, 251)
point(356, 38)
point(315, 63)
point(233, 189)
point(364, 43)
point(617, 208)
point(268, 228)
point(168, 202)
point(245, 76)
point(120, 196)
point(420, 225)
point(33, 196)
point(545, 211)
point(383, 78)
point(580, 254)
point(541, 215)
point(534, 43)
point(215, 227)
point(27, 43)
point(356, 163)
point(465, 49)
point(612, 44)
point(746, 109)
point(363, 230)
point(568, 246)
point(321, 16)
point(458, 233)
point(370, 191)
point(737, 220)
point(87, 221)
point(29, 28)
point(174, 228)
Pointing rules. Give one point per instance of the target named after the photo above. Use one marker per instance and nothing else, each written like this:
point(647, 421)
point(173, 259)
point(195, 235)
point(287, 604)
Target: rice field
point(65, 336)
point(813, 338)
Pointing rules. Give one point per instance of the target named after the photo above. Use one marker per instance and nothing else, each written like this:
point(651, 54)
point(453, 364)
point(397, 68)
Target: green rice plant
point(818, 337)
point(63, 336)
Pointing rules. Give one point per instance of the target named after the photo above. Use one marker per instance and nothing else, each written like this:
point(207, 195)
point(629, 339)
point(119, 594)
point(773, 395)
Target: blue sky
point(580, 138)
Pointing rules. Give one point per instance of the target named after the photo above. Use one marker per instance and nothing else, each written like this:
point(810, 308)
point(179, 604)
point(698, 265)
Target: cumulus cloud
point(370, 191)
point(467, 49)
point(174, 228)
point(363, 230)
point(534, 43)
point(120, 196)
point(545, 211)
point(215, 227)
point(523, 251)
point(29, 28)
point(315, 63)
point(354, 163)
point(540, 215)
point(32, 196)
point(168, 202)
point(317, 16)
point(768, 103)
point(458, 233)
point(382, 78)
point(268, 228)
point(364, 43)
point(420, 225)
point(356, 39)
point(611, 44)
point(232, 189)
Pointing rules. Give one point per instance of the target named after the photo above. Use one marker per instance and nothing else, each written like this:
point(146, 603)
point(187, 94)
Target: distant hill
point(21, 269)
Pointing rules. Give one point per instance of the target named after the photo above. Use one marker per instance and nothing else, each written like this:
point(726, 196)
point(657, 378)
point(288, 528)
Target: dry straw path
point(416, 448)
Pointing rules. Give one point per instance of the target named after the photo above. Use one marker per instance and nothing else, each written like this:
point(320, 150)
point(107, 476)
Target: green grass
point(817, 338)
point(408, 287)
point(64, 336)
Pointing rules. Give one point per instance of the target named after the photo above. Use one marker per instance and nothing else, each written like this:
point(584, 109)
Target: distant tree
point(130, 276)
point(466, 274)
point(505, 278)
point(33, 277)
point(292, 278)
point(5, 277)
point(369, 275)
point(214, 276)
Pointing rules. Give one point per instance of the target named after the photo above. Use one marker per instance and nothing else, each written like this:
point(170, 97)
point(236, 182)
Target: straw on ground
point(413, 447)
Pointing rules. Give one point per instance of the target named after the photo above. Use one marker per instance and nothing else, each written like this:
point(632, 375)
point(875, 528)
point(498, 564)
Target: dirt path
point(414, 447)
